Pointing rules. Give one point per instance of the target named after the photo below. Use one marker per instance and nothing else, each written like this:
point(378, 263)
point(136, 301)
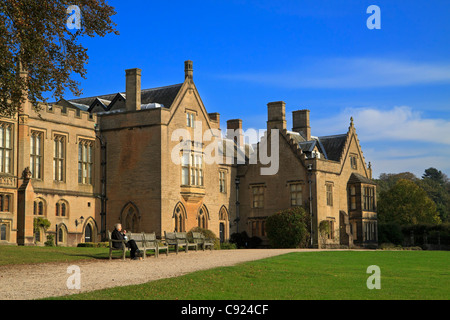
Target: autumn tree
point(406, 203)
point(35, 39)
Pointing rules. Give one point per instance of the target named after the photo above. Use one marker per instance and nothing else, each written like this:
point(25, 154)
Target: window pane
point(7, 161)
point(38, 144)
point(2, 130)
point(8, 137)
point(185, 176)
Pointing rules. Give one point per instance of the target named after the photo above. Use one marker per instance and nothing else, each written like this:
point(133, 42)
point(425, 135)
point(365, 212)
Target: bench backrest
point(181, 235)
point(150, 240)
point(170, 237)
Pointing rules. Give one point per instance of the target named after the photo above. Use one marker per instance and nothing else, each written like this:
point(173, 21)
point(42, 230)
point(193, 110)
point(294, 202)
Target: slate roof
point(333, 145)
point(357, 178)
point(162, 95)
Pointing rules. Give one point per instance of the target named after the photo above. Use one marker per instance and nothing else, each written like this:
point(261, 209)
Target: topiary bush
point(288, 228)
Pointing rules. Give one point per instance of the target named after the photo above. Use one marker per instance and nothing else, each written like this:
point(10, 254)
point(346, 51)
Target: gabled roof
point(333, 146)
point(162, 95)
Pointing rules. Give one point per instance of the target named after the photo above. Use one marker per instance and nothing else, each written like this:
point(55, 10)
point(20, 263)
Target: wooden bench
point(200, 240)
point(182, 237)
point(172, 240)
point(151, 243)
point(123, 248)
point(139, 239)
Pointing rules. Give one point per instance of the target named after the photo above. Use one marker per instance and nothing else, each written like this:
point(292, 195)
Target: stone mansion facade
point(86, 164)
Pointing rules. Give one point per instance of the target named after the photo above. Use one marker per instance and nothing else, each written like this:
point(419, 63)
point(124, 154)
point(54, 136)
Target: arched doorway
point(88, 234)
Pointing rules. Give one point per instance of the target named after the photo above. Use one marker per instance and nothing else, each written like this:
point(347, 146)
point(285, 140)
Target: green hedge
point(288, 228)
point(93, 245)
point(401, 235)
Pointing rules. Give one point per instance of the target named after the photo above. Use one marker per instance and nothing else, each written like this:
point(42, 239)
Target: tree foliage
point(435, 183)
point(34, 38)
point(406, 203)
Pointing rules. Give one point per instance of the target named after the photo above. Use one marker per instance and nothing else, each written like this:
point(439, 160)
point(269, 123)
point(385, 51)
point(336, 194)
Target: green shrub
point(227, 246)
point(208, 235)
point(50, 241)
point(288, 228)
point(242, 240)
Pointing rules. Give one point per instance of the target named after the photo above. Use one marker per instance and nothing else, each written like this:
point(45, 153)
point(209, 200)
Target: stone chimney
point(234, 131)
point(188, 70)
point(300, 119)
point(133, 89)
point(276, 115)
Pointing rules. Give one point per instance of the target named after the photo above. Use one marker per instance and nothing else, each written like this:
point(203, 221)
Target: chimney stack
point(234, 131)
point(300, 119)
point(188, 70)
point(276, 115)
point(133, 89)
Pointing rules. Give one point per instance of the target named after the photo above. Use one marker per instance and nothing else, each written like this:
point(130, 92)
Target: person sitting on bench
point(117, 234)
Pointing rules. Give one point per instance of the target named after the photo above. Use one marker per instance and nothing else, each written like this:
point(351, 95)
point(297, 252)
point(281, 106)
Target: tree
point(288, 228)
point(435, 175)
point(435, 183)
point(406, 203)
point(39, 53)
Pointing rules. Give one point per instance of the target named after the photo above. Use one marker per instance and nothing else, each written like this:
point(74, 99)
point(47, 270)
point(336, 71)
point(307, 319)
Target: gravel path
point(25, 282)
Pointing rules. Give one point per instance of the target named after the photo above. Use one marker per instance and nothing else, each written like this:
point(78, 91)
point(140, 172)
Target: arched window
point(130, 218)
point(62, 208)
point(203, 217)
point(39, 207)
point(179, 216)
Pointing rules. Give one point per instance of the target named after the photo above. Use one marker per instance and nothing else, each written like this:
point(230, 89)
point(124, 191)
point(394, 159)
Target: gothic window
point(59, 158)
point(85, 162)
point(202, 218)
point(39, 207)
point(180, 218)
point(36, 153)
point(6, 149)
point(62, 208)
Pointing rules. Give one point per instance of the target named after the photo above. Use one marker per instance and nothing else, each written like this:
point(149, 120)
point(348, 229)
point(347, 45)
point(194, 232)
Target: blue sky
point(318, 54)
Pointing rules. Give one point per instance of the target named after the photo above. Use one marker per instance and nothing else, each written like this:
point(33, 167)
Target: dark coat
point(116, 235)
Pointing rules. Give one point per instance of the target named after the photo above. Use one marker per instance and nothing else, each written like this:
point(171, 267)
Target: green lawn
point(310, 275)
point(28, 255)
